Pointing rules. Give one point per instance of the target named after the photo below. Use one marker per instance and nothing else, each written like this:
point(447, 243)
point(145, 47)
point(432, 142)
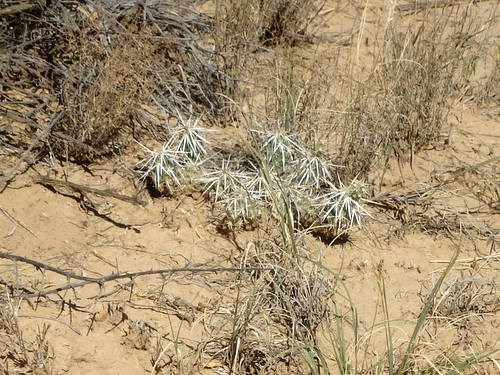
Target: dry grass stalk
point(17, 353)
point(402, 106)
point(269, 23)
point(489, 90)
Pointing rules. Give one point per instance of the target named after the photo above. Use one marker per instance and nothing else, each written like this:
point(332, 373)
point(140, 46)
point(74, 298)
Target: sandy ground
point(55, 229)
point(164, 318)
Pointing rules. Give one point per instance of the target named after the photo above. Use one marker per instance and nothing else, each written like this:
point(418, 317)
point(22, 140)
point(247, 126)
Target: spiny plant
point(306, 181)
point(279, 150)
point(223, 180)
point(163, 166)
point(240, 208)
point(341, 205)
point(185, 147)
point(187, 139)
point(286, 155)
point(312, 171)
point(302, 179)
point(255, 185)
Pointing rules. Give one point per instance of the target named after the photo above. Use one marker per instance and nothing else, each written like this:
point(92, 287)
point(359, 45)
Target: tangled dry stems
point(105, 71)
point(275, 318)
point(464, 298)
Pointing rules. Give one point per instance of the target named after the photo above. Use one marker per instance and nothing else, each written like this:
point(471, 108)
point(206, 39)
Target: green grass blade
point(423, 316)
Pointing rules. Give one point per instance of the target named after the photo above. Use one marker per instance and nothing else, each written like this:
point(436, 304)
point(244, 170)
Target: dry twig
point(82, 188)
point(102, 280)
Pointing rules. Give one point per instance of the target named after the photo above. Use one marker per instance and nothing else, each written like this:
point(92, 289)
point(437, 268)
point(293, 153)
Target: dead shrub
point(101, 99)
point(300, 299)
point(464, 304)
point(243, 28)
point(419, 74)
point(272, 324)
point(95, 71)
point(249, 342)
point(295, 103)
point(464, 298)
point(483, 184)
point(296, 293)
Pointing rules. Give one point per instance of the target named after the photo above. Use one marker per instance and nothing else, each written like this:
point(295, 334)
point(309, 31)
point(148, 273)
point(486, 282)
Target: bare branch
point(82, 188)
point(101, 280)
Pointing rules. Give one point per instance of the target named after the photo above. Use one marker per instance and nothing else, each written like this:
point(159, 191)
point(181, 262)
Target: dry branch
point(16, 221)
point(102, 280)
point(82, 188)
point(473, 260)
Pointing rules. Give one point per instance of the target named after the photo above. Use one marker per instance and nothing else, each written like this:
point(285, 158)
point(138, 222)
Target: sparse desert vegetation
point(249, 187)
